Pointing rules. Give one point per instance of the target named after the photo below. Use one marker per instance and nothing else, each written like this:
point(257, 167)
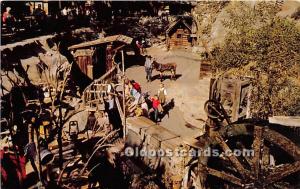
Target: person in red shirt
point(7, 16)
point(13, 171)
point(138, 46)
point(8, 19)
point(156, 107)
point(136, 86)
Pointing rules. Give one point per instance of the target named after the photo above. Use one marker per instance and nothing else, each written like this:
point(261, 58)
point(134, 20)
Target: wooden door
point(179, 36)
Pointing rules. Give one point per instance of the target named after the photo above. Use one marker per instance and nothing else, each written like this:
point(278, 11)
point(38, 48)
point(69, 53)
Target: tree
point(266, 48)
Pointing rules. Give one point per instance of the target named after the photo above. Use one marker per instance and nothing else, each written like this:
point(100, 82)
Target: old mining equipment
point(246, 153)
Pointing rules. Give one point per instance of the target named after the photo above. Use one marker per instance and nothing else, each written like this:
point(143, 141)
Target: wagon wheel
point(70, 175)
point(191, 178)
point(216, 111)
point(274, 161)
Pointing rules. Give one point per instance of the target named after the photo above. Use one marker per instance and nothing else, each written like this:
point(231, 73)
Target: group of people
point(9, 20)
point(72, 16)
point(75, 16)
point(76, 11)
point(141, 104)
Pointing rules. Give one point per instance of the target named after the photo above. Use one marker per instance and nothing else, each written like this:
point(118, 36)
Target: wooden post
point(38, 148)
point(59, 138)
point(59, 4)
point(124, 105)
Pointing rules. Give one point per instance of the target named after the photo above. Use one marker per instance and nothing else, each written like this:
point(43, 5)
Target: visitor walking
point(148, 68)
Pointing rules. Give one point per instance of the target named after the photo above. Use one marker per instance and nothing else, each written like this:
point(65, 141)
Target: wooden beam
point(124, 103)
point(257, 144)
point(284, 143)
point(242, 171)
point(224, 176)
point(282, 171)
point(118, 48)
point(119, 108)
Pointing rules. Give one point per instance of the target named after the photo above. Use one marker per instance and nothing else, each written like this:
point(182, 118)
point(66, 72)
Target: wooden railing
point(95, 92)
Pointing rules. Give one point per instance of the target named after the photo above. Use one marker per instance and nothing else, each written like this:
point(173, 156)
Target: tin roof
point(113, 38)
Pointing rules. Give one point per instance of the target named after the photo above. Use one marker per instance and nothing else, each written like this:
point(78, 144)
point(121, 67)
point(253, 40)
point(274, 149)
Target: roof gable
point(175, 23)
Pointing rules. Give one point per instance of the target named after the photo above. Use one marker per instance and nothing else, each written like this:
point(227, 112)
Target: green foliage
point(266, 48)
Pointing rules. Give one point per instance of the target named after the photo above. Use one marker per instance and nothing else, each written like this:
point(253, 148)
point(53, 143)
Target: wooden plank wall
point(83, 62)
point(205, 69)
point(175, 42)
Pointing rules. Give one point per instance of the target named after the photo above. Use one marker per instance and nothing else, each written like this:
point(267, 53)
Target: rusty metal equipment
point(46, 156)
point(249, 153)
point(233, 94)
point(73, 129)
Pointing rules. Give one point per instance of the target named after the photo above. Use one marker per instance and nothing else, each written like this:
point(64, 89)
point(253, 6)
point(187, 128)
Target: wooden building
point(95, 58)
point(34, 5)
point(85, 59)
point(179, 35)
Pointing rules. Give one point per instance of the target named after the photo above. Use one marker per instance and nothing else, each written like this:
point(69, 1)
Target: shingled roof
point(173, 24)
point(114, 38)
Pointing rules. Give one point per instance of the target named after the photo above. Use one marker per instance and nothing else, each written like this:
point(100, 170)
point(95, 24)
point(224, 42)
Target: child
point(145, 108)
point(162, 94)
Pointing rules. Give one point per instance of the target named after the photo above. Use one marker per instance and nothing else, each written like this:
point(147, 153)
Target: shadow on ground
point(165, 77)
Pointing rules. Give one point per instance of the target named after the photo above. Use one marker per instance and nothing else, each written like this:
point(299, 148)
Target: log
point(65, 148)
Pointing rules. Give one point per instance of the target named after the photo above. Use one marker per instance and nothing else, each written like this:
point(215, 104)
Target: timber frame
point(179, 34)
point(89, 60)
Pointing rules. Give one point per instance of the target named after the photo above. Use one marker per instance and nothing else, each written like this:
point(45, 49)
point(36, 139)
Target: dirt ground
point(189, 93)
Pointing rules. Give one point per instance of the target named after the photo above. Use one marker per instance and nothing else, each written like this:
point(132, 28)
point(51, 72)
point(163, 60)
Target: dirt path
point(189, 93)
